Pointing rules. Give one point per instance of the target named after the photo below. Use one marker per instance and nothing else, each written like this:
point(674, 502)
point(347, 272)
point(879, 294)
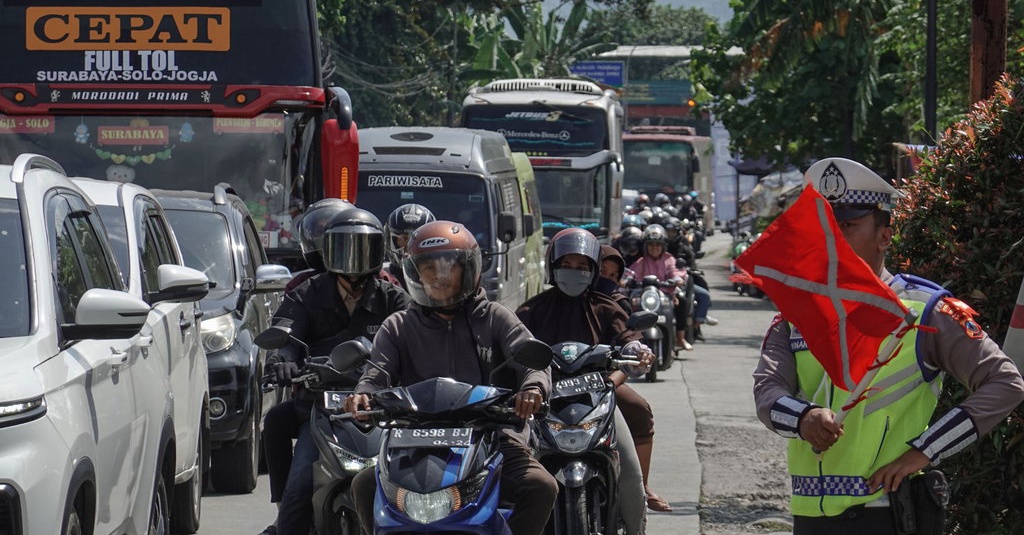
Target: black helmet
point(629, 241)
point(311, 227)
point(661, 199)
point(438, 246)
point(402, 221)
point(354, 244)
point(573, 241)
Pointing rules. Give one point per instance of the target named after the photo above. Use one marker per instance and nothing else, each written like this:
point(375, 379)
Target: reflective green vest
point(898, 407)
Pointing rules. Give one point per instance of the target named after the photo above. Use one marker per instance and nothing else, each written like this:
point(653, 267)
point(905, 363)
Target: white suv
point(142, 240)
point(81, 449)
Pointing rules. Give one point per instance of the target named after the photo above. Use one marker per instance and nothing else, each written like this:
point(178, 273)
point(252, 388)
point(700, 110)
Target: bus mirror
point(695, 163)
point(529, 225)
point(341, 102)
point(506, 227)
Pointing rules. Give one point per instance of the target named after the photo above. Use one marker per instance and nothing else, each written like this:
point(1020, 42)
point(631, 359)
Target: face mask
point(573, 282)
point(606, 286)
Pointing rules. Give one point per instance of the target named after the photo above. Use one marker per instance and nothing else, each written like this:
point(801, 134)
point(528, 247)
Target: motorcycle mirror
point(533, 354)
point(642, 320)
point(650, 280)
point(699, 254)
point(350, 355)
point(276, 336)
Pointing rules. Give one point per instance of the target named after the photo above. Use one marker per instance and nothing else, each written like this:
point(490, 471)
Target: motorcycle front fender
point(575, 473)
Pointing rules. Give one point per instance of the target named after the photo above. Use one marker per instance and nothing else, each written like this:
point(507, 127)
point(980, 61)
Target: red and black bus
point(183, 95)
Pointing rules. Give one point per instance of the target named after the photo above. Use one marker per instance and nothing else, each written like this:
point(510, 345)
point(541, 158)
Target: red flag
point(820, 285)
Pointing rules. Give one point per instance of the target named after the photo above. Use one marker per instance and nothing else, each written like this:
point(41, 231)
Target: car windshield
point(15, 309)
point(205, 243)
point(448, 196)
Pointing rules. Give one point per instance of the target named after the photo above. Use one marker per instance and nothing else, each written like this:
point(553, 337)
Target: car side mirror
point(271, 278)
point(104, 314)
point(529, 225)
point(179, 284)
point(506, 227)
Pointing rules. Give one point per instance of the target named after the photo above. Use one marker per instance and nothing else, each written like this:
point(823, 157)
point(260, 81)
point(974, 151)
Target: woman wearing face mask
point(573, 310)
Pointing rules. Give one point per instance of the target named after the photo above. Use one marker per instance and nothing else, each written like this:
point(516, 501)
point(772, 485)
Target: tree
point(811, 81)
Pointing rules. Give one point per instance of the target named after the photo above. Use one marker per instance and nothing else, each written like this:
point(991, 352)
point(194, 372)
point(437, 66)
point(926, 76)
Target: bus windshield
point(258, 157)
point(542, 129)
point(451, 197)
point(573, 198)
point(658, 166)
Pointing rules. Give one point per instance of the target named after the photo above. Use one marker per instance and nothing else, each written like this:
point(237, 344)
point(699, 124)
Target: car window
point(255, 254)
point(117, 234)
point(154, 244)
point(15, 308)
point(78, 257)
point(205, 244)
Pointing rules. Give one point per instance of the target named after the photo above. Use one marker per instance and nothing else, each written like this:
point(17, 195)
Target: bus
point(181, 96)
point(572, 132)
point(669, 159)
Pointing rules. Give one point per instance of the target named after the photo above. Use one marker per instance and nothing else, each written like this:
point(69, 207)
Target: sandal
point(657, 503)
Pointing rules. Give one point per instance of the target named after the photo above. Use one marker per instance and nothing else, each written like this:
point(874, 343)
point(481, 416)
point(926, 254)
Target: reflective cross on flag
point(820, 285)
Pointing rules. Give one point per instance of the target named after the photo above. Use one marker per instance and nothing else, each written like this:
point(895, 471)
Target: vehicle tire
point(236, 466)
point(73, 523)
point(186, 507)
point(576, 518)
point(159, 509)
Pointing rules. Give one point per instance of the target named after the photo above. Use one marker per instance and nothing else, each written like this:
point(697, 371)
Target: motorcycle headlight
point(576, 438)
point(217, 333)
point(429, 507)
point(651, 300)
point(349, 462)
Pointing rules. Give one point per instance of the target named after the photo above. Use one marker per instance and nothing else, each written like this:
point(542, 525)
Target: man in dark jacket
point(573, 311)
point(453, 331)
point(344, 302)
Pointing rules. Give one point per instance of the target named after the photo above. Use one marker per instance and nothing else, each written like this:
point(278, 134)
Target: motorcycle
point(577, 439)
point(346, 446)
point(440, 464)
point(646, 295)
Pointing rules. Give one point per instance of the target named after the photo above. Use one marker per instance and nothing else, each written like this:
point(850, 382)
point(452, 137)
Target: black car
point(216, 235)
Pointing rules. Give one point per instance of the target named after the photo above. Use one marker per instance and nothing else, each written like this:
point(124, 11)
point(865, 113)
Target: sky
point(717, 8)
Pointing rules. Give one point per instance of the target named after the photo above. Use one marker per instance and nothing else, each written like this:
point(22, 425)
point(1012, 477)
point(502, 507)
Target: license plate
point(591, 382)
point(440, 437)
point(335, 400)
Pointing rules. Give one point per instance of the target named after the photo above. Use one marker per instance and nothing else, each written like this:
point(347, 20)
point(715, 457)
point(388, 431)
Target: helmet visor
point(442, 278)
point(584, 244)
point(354, 251)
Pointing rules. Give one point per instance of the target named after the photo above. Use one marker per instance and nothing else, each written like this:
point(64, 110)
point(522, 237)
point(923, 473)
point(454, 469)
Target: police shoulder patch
point(963, 314)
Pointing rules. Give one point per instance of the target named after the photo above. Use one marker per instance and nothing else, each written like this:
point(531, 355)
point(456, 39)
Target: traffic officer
point(845, 477)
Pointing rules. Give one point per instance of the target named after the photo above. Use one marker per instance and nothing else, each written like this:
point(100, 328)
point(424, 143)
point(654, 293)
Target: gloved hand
point(285, 371)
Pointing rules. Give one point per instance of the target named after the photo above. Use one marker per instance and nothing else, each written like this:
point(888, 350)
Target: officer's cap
point(852, 189)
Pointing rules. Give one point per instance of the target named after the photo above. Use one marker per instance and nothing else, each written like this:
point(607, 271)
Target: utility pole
point(988, 46)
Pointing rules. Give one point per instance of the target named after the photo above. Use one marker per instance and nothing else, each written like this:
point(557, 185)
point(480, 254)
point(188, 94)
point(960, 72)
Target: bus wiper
point(562, 112)
point(552, 217)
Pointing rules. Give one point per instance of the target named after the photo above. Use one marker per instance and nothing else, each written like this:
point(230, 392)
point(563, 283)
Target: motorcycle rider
point(636, 410)
point(628, 243)
point(572, 311)
point(658, 262)
point(402, 221)
point(452, 330)
point(344, 302)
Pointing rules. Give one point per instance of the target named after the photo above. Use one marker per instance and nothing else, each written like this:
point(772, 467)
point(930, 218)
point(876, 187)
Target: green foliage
point(961, 225)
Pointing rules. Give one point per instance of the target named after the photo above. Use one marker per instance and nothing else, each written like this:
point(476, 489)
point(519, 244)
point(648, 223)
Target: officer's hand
point(285, 371)
point(355, 403)
point(528, 402)
point(890, 475)
point(819, 428)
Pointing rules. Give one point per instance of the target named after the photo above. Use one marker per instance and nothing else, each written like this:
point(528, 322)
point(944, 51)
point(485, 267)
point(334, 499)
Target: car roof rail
point(221, 192)
point(27, 162)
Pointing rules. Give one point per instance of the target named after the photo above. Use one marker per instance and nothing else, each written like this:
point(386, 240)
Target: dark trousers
point(524, 482)
point(280, 427)
point(853, 521)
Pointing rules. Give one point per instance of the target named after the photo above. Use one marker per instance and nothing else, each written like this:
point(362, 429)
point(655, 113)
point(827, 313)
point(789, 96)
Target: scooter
point(346, 446)
point(440, 465)
point(577, 439)
point(646, 295)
